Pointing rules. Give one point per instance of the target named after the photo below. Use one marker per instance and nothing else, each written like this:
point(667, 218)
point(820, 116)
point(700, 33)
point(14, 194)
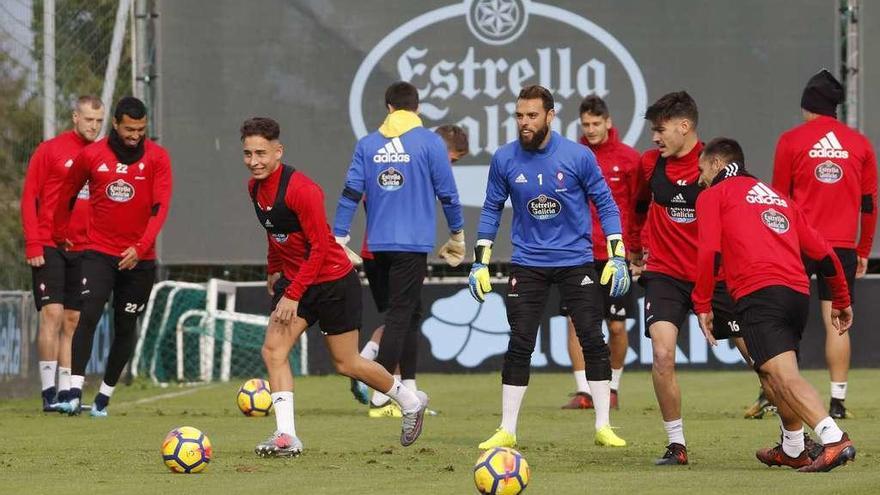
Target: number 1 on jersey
point(540, 179)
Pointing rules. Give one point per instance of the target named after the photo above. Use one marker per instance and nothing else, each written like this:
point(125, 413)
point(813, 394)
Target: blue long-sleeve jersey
point(549, 190)
point(401, 177)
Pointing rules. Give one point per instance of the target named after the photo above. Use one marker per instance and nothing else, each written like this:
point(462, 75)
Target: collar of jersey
point(399, 122)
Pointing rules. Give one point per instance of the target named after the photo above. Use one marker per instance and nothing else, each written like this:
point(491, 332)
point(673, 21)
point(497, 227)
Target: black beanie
point(822, 94)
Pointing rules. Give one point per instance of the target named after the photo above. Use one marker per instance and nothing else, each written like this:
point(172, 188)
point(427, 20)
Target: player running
point(56, 270)
point(620, 168)
point(129, 181)
point(318, 285)
point(550, 181)
point(760, 236)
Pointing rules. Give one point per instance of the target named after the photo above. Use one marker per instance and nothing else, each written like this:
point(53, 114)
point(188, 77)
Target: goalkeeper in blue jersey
point(550, 181)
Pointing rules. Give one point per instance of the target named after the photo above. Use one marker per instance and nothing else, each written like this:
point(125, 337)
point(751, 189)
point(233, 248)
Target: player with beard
point(129, 181)
point(56, 270)
point(550, 182)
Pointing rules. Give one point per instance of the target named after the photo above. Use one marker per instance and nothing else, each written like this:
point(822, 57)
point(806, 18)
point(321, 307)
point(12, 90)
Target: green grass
point(348, 453)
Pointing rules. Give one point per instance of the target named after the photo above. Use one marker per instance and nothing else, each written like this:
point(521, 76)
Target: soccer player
point(620, 168)
point(402, 169)
point(830, 171)
point(56, 270)
point(129, 181)
point(671, 172)
point(550, 181)
point(760, 236)
point(456, 147)
point(318, 285)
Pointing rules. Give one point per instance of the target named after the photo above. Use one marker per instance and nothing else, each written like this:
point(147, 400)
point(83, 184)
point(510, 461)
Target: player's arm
point(616, 273)
point(307, 202)
point(708, 259)
point(815, 247)
point(641, 204)
point(782, 163)
point(444, 187)
point(161, 201)
point(352, 193)
point(74, 180)
point(869, 210)
point(497, 192)
point(34, 179)
point(635, 184)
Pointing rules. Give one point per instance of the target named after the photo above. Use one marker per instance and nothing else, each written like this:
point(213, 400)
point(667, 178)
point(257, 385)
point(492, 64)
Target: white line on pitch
point(168, 395)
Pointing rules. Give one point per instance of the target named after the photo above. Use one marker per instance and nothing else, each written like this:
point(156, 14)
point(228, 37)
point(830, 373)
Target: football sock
point(63, 379)
point(76, 385)
point(410, 384)
point(370, 351)
point(675, 431)
point(793, 442)
point(103, 397)
point(47, 374)
point(282, 402)
point(828, 431)
point(601, 402)
point(838, 390)
point(580, 380)
point(379, 399)
point(405, 397)
point(615, 378)
point(511, 400)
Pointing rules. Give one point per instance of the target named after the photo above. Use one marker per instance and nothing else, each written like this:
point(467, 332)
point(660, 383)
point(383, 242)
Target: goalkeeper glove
point(616, 274)
point(453, 251)
point(478, 280)
point(352, 256)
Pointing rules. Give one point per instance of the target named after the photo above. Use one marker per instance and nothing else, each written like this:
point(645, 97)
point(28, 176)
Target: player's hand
point(706, 324)
point(270, 282)
point(36, 261)
point(478, 282)
point(129, 259)
point(862, 267)
point(636, 264)
point(352, 256)
point(285, 311)
point(842, 319)
point(616, 273)
point(453, 251)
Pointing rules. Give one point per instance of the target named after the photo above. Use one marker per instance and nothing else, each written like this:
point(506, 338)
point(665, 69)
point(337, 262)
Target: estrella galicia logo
point(777, 221)
point(828, 172)
point(681, 215)
point(120, 191)
point(280, 238)
point(469, 60)
point(544, 207)
point(390, 179)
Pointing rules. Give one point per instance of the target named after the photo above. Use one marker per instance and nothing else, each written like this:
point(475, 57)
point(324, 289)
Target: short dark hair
point(534, 92)
point(673, 105)
point(260, 126)
point(727, 149)
point(594, 105)
point(455, 137)
point(88, 100)
point(131, 106)
point(402, 96)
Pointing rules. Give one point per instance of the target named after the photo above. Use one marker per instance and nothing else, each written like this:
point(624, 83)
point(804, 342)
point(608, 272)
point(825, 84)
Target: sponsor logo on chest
point(544, 207)
point(120, 191)
point(680, 214)
point(828, 172)
point(280, 238)
point(390, 179)
point(775, 220)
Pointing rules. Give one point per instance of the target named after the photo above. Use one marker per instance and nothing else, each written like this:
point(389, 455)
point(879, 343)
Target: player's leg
point(791, 450)
point(72, 307)
point(581, 398)
point(618, 344)
point(48, 289)
point(377, 280)
point(409, 356)
point(837, 347)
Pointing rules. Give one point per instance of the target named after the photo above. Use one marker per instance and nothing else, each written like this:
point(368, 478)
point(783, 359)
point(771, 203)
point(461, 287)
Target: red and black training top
point(42, 185)
point(620, 167)
point(128, 202)
point(290, 206)
point(830, 170)
point(759, 235)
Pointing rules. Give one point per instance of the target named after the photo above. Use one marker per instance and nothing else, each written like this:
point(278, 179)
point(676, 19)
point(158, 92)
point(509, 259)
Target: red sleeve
point(34, 180)
point(307, 201)
point(869, 203)
point(162, 183)
point(73, 182)
point(637, 188)
point(816, 247)
point(708, 248)
point(782, 162)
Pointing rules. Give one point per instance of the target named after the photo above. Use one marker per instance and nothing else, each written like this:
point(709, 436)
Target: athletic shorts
point(101, 276)
point(772, 320)
point(59, 280)
point(335, 305)
point(669, 299)
point(614, 308)
point(849, 260)
point(378, 280)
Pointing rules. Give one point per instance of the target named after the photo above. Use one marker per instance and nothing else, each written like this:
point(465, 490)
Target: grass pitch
point(346, 452)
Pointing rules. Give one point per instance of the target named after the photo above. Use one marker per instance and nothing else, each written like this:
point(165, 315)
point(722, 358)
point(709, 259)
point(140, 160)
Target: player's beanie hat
point(822, 94)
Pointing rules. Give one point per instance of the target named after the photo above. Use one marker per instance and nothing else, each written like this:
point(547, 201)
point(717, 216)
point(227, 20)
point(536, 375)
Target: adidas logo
point(521, 179)
point(268, 223)
point(762, 195)
point(392, 152)
point(828, 147)
point(678, 198)
point(103, 168)
point(587, 280)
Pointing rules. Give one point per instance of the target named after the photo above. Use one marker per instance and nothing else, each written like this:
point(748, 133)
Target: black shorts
point(772, 321)
point(378, 279)
point(669, 299)
point(615, 308)
point(849, 260)
point(335, 305)
point(59, 280)
point(101, 276)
